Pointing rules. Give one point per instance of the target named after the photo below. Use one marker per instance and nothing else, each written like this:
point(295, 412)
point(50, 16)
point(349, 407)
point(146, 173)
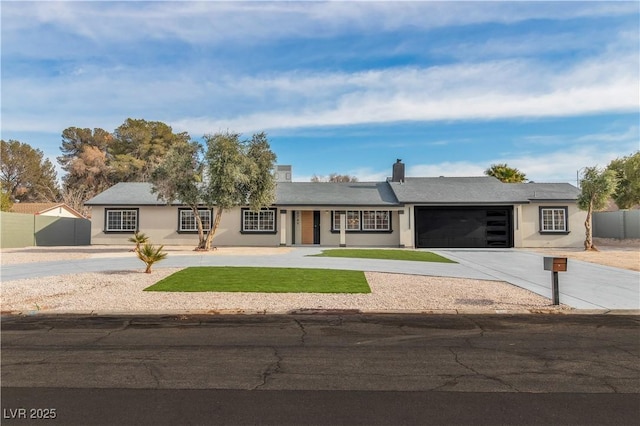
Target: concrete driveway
point(584, 285)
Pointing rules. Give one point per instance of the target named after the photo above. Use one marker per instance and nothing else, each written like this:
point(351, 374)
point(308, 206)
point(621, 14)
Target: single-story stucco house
point(413, 212)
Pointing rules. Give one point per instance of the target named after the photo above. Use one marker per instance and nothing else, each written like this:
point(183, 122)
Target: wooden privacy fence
point(620, 224)
point(25, 230)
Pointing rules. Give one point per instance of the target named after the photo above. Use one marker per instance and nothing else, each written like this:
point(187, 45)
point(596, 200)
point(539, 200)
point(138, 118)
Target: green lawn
point(421, 256)
point(264, 280)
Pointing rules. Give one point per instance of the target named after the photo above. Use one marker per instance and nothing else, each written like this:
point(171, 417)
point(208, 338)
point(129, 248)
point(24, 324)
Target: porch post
point(343, 230)
point(283, 227)
point(405, 225)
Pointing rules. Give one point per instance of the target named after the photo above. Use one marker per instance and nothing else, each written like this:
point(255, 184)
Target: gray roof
point(455, 190)
point(547, 191)
point(335, 194)
point(478, 190)
point(126, 194)
point(440, 190)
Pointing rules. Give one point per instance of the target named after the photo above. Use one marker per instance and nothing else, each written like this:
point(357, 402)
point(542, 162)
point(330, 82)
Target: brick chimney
point(398, 171)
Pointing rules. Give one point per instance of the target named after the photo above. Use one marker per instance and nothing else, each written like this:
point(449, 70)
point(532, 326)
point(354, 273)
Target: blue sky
point(346, 87)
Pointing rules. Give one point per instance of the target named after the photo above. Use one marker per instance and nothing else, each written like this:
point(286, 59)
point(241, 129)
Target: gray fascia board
point(466, 203)
point(552, 200)
point(125, 205)
point(133, 204)
point(326, 205)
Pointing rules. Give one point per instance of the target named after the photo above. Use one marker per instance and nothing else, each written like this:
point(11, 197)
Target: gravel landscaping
point(122, 291)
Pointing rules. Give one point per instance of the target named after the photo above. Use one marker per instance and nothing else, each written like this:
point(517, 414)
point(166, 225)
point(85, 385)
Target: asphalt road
point(322, 369)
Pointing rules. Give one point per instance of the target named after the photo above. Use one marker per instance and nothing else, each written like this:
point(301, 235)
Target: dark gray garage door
point(464, 227)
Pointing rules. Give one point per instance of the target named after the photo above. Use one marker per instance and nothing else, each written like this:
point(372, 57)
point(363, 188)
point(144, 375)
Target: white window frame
point(263, 221)
point(352, 218)
point(205, 215)
point(381, 220)
point(356, 220)
point(125, 219)
point(554, 219)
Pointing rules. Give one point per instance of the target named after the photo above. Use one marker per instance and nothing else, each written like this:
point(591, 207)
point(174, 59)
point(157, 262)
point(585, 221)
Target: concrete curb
point(231, 312)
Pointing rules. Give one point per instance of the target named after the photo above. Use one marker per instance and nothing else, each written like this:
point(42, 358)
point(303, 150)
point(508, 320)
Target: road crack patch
point(477, 373)
point(303, 330)
point(273, 368)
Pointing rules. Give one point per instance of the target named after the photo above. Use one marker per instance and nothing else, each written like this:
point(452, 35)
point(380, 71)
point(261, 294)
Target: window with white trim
point(553, 219)
point(375, 220)
point(187, 220)
point(122, 220)
point(260, 221)
point(352, 218)
point(363, 221)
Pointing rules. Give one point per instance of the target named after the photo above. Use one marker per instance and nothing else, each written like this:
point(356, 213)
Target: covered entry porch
point(340, 227)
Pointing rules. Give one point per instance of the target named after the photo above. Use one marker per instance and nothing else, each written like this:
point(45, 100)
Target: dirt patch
point(623, 254)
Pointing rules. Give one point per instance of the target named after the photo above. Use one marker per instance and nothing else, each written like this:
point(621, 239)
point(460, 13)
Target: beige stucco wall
point(527, 220)
point(328, 238)
point(161, 222)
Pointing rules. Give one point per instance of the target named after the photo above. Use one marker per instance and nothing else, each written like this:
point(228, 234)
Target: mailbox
point(555, 264)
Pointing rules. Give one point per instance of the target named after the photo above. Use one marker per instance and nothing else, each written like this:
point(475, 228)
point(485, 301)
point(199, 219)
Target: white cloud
point(497, 89)
point(560, 163)
point(447, 168)
point(463, 91)
point(207, 23)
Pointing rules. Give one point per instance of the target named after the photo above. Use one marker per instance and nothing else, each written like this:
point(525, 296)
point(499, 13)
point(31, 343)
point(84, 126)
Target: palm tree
point(150, 255)
point(505, 173)
point(138, 239)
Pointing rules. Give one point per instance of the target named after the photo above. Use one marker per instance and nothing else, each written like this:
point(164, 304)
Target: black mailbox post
point(555, 265)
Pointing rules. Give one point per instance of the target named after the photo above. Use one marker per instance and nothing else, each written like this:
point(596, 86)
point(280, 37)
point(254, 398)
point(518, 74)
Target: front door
point(310, 227)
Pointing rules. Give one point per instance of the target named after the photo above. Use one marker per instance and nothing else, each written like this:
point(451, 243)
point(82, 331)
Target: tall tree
point(232, 173)
point(627, 169)
point(179, 177)
point(506, 174)
point(85, 159)
point(334, 177)
point(237, 173)
point(596, 188)
point(25, 175)
point(139, 146)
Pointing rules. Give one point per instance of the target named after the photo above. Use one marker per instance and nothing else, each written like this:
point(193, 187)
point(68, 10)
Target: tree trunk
point(201, 239)
point(148, 270)
point(588, 242)
point(214, 228)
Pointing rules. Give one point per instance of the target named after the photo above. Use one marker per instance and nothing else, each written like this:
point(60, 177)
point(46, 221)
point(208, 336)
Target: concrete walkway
point(298, 258)
point(584, 286)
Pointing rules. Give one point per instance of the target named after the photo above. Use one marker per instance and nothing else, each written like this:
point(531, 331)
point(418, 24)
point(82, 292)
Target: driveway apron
point(584, 285)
